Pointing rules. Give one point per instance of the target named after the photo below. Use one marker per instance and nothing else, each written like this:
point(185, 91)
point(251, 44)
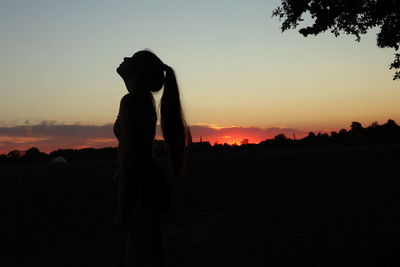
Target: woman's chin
point(119, 69)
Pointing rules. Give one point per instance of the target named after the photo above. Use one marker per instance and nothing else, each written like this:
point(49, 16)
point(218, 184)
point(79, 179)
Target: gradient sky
point(234, 66)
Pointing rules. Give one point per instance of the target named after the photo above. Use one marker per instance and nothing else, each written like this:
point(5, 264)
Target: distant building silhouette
point(59, 159)
point(200, 146)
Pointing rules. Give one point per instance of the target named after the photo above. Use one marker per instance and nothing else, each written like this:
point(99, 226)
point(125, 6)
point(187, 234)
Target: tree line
point(374, 134)
point(34, 155)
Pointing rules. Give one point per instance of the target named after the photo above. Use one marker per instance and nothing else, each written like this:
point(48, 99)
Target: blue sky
point(234, 65)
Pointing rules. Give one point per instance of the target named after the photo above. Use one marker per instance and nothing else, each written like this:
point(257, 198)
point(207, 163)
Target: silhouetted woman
point(143, 189)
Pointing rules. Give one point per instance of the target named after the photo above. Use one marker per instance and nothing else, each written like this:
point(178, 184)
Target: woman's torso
point(140, 118)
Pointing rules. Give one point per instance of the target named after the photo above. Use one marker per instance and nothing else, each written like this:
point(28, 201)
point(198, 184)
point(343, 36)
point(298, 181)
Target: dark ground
point(311, 207)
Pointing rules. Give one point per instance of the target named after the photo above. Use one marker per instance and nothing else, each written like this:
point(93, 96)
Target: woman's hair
point(173, 123)
point(150, 74)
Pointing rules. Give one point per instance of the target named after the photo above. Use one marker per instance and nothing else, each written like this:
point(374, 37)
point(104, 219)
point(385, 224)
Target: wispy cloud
point(49, 136)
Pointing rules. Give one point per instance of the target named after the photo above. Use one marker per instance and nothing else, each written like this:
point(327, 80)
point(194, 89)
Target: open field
point(310, 207)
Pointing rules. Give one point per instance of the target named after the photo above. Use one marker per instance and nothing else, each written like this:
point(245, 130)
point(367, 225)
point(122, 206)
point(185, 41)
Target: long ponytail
point(173, 124)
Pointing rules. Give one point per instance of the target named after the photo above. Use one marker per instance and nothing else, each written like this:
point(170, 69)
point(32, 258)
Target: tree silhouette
point(280, 137)
point(353, 17)
point(34, 155)
point(391, 124)
point(356, 127)
point(14, 154)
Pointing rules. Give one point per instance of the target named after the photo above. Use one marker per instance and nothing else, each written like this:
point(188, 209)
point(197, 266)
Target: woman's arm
point(136, 124)
point(127, 184)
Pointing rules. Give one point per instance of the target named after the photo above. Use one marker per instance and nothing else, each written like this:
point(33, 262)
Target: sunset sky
point(239, 76)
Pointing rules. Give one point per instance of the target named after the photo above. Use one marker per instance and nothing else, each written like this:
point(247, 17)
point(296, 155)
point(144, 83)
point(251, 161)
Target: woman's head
point(143, 71)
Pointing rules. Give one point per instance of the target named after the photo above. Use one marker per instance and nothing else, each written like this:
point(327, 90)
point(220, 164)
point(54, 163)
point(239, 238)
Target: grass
point(310, 207)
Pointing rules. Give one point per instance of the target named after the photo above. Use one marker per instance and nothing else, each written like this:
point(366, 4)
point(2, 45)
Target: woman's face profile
point(127, 67)
point(143, 71)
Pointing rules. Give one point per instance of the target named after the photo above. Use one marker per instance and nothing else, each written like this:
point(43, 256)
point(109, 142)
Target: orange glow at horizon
point(231, 140)
point(236, 135)
point(50, 137)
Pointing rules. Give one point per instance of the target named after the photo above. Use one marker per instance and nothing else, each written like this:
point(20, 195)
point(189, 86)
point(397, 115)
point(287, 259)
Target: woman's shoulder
point(134, 98)
point(136, 103)
point(126, 99)
point(129, 101)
